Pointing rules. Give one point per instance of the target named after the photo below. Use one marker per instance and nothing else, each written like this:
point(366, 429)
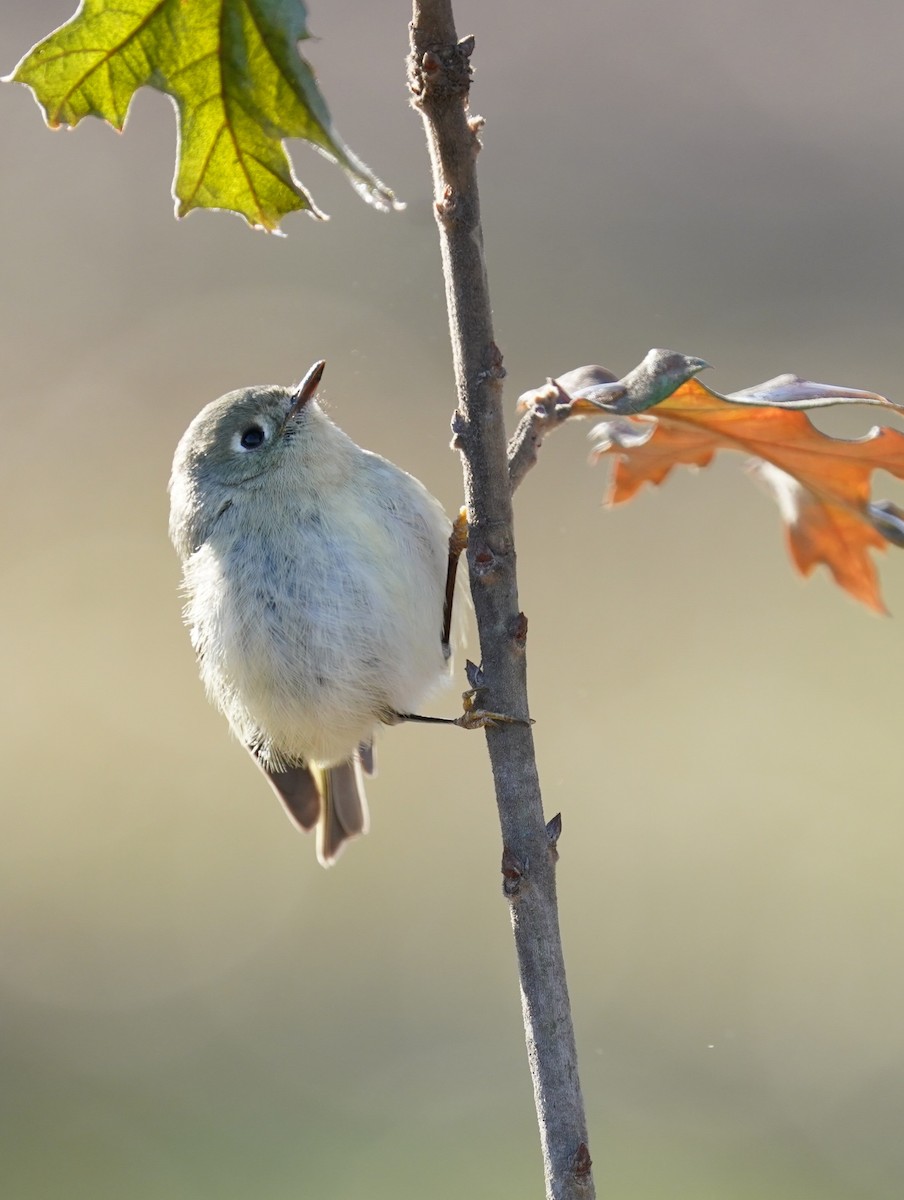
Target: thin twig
point(544, 409)
point(439, 79)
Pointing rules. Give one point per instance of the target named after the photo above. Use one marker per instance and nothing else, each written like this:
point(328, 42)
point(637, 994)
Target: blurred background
point(191, 1006)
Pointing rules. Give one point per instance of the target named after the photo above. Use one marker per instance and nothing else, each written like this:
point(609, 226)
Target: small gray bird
point(318, 584)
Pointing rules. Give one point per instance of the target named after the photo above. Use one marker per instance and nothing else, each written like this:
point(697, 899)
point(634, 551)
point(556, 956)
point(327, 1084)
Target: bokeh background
point(190, 1006)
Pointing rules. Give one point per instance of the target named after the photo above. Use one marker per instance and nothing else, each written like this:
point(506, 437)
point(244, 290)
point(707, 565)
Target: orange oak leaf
point(820, 531)
point(660, 417)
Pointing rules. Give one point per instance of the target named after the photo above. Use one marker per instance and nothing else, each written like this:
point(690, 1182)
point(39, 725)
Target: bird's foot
point(475, 717)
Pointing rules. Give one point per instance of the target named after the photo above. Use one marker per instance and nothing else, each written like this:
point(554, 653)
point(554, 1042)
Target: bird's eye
point(252, 437)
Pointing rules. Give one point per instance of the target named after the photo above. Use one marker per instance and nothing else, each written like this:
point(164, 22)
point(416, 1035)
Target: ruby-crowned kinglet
point(316, 577)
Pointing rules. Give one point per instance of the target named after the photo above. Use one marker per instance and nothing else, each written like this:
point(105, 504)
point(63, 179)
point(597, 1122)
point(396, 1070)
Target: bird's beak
point(306, 389)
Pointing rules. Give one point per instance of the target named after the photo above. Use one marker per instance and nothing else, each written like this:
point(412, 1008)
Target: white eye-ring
point(250, 438)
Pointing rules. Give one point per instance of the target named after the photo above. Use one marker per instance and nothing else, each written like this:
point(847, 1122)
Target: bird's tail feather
point(330, 798)
point(344, 814)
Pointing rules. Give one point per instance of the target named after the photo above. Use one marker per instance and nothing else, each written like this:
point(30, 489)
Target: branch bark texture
point(439, 81)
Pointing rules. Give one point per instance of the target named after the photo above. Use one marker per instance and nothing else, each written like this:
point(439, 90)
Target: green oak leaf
point(239, 84)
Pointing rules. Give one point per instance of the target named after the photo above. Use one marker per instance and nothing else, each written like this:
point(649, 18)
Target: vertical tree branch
point(439, 80)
